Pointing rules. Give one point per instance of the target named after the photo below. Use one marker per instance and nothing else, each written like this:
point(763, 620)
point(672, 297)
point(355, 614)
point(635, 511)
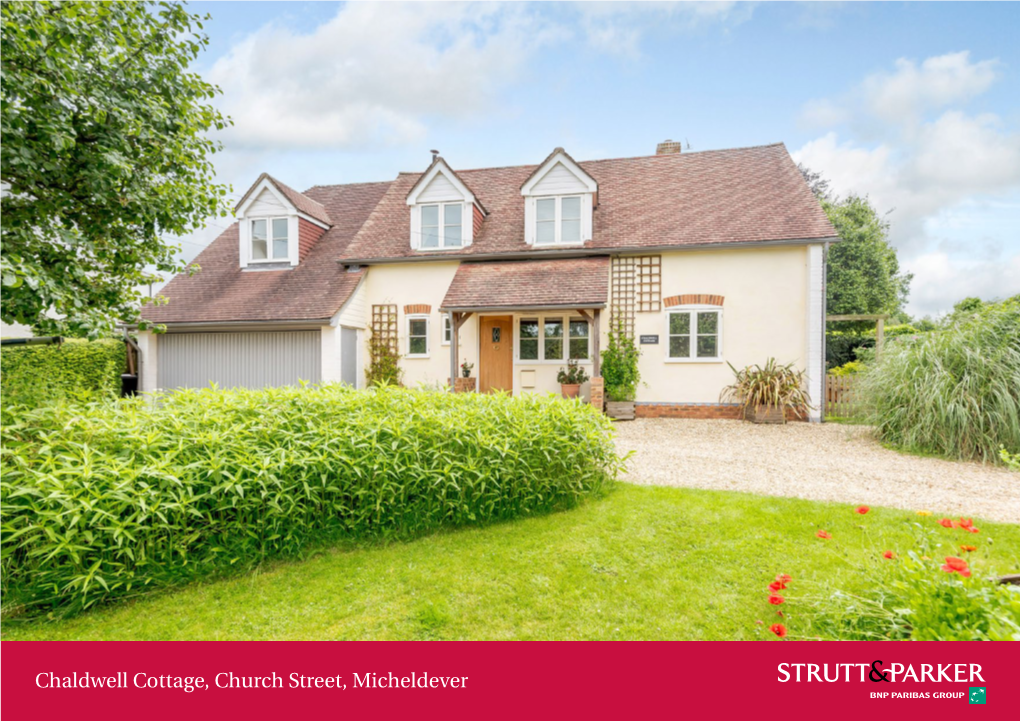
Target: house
point(705, 258)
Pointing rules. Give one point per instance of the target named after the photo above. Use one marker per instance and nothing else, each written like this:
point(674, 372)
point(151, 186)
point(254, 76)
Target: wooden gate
point(840, 396)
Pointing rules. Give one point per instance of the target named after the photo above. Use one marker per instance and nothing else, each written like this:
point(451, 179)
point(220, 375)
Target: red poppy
point(946, 523)
point(972, 529)
point(784, 578)
point(778, 629)
point(823, 534)
point(862, 509)
point(889, 554)
point(775, 599)
point(956, 565)
point(965, 523)
point(777, 586)
point(968, 549)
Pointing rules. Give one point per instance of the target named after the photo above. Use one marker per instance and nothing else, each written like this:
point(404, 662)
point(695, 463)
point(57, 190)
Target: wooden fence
point(840, 396)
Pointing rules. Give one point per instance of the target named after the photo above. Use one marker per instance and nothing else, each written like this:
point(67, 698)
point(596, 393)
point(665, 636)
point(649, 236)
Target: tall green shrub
point(954, 391)
point(76, 369)
point(109, 499)
point(620, 366)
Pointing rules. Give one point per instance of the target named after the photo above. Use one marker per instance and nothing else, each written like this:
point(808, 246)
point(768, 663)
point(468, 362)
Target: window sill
point(578, 244)
point(520, 362)
point(417, 356)
point(695, 360)
point(440, 250)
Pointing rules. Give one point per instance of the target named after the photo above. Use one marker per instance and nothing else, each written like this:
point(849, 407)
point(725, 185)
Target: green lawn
point(642, 563)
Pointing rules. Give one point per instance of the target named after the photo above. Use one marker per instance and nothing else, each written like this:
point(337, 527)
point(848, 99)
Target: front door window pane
point(579, 339)
point(554, 339)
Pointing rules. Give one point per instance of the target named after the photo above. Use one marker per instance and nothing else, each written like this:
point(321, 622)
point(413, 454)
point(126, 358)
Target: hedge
point(76, 369)
point(111, 499)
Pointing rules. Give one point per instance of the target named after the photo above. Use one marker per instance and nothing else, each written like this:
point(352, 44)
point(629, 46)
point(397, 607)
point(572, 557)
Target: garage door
point(247, 360)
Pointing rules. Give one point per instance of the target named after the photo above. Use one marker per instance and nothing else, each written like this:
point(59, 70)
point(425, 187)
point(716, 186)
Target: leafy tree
point(819, 185)
point(968, 305)
point(105, 149)
point(863, 271)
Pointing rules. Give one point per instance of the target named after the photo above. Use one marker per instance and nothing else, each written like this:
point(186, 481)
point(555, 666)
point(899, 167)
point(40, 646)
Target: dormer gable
point(277, 225)
point(445, 213)
point(559, 200)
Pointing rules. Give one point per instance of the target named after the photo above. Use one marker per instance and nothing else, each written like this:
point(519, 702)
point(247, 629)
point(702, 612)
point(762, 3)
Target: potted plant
point(571, 378)
point(766, 392)
point(465, 369)
point(620, 374)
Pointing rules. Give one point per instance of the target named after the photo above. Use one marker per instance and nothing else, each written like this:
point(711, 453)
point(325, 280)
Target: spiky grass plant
point(112, 499)
point(769, 386)
point(954, 391)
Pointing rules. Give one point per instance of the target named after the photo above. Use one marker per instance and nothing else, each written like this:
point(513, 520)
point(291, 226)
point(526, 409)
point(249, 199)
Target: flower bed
point(110, 499)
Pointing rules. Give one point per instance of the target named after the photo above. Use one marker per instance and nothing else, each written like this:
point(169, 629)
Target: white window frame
point(558, 220)
point(692, 311)
point(565, 318)
point(407, 327)
point(269, 239)
point(442, 225)
point(447, 329)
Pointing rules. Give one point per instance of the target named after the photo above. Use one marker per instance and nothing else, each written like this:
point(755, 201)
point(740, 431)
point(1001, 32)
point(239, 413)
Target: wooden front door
point(496, 361)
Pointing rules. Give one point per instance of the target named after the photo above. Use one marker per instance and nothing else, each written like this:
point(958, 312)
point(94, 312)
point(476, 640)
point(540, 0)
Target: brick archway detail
point(419, 309)
point(693, 299)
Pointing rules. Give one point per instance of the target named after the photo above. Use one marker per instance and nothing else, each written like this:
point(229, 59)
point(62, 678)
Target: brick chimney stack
point(669, 147)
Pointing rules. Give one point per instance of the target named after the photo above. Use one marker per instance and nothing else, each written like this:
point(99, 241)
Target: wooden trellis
point(384, 328)
point(649, 283)
point(623, 282)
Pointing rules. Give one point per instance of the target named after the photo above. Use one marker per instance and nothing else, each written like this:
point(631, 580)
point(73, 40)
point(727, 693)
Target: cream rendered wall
point(421, 283)
point(148, 369)
point(764, 315)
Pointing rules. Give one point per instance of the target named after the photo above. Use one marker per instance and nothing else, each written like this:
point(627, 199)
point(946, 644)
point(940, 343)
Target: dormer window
point(558, 220)
point(444, 211)
point(559, 197)
point(270, 240)
point(442, 225)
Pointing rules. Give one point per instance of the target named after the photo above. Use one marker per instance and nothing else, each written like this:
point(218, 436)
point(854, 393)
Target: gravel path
point(827, 462)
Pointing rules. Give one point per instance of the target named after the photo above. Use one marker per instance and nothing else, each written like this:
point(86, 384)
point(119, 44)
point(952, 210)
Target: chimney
point(669, 147)
point(435, 154)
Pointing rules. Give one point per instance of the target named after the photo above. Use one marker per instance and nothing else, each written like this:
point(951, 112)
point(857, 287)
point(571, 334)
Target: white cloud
point(372, 73)
point(903, 96)
point(936, 175)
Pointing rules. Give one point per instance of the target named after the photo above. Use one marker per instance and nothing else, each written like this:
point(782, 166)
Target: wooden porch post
point(879, 337)
point(454, 327)
point(597, 360)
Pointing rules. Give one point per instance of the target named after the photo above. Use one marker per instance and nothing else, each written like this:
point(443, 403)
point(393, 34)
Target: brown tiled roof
point(315, 289)
point(684, 199)
point(578, 282)
point(446, 165)
point(302, 202)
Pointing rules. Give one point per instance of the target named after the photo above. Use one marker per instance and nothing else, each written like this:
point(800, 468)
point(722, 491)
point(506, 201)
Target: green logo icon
point(977, 694)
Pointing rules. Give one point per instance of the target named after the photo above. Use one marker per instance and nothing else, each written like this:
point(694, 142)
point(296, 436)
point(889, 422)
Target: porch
point(529, 319)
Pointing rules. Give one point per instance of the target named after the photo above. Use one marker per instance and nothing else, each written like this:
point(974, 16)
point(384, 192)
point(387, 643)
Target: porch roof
point(529, 284)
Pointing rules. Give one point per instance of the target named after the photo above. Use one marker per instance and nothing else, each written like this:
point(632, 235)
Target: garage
point(239, 360)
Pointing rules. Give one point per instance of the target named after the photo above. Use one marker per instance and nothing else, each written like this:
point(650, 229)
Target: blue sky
point(914, 104)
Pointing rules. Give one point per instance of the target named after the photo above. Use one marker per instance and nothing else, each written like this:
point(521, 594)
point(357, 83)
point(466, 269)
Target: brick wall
point(308, 233)
point(465, 385)
point(697, 410)
point(419, 309)
point(597, 392)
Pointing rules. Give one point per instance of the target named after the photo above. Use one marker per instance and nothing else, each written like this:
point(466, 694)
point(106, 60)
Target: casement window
point(269, 240)
point(694, 334)
point(447, 329)
point(558, 220)
point(417, 336)
point(442, 225)
point(553, 339)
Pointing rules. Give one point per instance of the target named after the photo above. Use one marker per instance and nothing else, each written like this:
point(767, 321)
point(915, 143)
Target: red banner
point(198, 680)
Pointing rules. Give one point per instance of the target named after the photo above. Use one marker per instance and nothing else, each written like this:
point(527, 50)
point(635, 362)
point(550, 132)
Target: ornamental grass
point(954, 391)
point(116, 498)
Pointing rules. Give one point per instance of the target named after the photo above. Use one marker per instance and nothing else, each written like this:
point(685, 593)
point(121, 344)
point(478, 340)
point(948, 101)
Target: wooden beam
point(455, 321)
point(461, 318)
point(596, 360)
point(879, 337)
point(881, 316)
point(584, 314)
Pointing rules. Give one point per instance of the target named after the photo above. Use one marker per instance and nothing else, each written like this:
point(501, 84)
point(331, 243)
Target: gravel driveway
point(827, 462)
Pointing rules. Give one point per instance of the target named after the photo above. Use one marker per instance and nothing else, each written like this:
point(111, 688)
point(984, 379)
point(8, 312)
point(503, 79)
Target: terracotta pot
point(570, 391)
point(620, 410)
point(765, 414)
